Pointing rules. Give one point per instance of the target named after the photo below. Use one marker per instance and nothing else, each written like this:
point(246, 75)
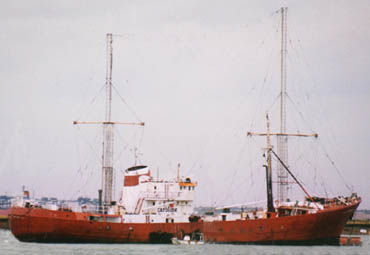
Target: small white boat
point(197, 239)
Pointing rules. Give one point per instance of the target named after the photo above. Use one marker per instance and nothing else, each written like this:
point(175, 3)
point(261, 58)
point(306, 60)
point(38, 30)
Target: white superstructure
point(144, 199)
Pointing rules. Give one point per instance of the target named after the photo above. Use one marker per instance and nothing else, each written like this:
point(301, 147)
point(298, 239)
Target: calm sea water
point(11, 246)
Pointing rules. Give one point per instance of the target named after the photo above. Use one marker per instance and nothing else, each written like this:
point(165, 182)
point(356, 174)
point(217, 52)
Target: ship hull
point(46, 226)
point(42, 225)
point(321, 228)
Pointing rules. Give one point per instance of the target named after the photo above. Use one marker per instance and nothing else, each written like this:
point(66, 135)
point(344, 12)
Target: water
point(11, 246)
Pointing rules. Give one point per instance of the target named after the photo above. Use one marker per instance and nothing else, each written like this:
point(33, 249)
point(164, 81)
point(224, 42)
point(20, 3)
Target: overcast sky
point(200, 74)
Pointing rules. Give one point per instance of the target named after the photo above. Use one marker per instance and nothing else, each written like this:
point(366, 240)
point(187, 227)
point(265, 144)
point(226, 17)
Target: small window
point(153, 203)
point(155, 187)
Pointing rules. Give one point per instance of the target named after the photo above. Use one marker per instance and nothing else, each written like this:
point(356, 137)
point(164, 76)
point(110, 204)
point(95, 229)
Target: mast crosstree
point(108, 131)
point(269, 150)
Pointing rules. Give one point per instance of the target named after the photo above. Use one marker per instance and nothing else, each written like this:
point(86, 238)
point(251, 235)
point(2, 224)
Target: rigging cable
point(81, 170)
point(315, 83)
point(262, 86)
point(335, 167)
point(304, 60)
point(91, 146)
point(261, 91)
point(94, 99)
point(124, 101)
point(324, 150)
point(230, 190)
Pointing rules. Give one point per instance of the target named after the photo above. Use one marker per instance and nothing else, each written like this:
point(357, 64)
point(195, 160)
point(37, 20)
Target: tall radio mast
point(108, 134)
point(108, 131)
point(282, 141)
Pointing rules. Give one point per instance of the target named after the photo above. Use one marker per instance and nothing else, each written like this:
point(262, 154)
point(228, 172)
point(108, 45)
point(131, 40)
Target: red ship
point(154, 211)
point(322, 227)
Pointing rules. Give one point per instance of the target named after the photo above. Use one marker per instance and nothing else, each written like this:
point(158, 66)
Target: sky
point(200, 74)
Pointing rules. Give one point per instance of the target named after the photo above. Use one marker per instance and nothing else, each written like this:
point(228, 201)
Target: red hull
point(41, 225)
point(323, 227)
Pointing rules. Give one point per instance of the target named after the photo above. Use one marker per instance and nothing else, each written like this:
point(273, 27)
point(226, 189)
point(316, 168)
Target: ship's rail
point(69, 207)
point(167, 196)
point(332, 202)
point(160, 195)
point(365, 223)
